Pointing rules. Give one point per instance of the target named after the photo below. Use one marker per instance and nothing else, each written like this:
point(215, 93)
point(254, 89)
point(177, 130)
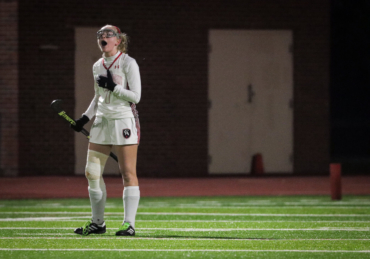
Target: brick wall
point(169, 39)
point(9, 88)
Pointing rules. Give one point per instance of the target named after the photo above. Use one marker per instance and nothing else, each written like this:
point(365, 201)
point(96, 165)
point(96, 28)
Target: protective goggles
point(108, 33)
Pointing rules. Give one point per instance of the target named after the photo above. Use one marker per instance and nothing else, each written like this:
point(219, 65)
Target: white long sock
point(131, 197)
point(98, 197)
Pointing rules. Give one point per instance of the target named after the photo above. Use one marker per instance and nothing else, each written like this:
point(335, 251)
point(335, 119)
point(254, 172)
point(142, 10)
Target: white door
point(250, 96)
point(87, 53)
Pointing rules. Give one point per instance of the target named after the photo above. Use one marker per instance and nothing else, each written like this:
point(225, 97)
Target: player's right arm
point(93, 107)
point(91, 110)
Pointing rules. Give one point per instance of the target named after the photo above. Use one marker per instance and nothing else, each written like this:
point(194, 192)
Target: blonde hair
point(123, 45)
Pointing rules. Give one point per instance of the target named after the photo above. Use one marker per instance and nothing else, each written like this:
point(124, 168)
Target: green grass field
point(196, 227)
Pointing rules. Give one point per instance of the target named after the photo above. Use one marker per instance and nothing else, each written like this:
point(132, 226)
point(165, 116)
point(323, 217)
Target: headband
point(118, 30)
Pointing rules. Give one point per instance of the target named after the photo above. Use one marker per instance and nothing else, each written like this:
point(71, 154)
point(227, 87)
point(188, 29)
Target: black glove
point(106, 82)
point(80, 123)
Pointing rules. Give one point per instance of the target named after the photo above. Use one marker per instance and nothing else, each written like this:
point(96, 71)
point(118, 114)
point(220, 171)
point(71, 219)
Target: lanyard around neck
point(112, 62)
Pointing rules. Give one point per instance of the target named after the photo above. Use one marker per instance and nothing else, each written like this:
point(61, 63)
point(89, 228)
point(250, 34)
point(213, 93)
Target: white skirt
point(115, 132)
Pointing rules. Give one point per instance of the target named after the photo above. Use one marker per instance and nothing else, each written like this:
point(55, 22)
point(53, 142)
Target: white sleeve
point(93, 107)
point(134, 82)
point(91, 111)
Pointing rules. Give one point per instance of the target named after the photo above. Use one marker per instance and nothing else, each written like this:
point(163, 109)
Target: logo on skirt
point(126, 133)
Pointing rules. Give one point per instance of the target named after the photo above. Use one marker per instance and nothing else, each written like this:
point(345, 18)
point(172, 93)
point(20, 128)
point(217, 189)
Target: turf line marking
point(50, 212)
point(264, 207)
point(219, 229)
point(252, 214)
point(257, 207)
point(57, 207)
point(61, 234)
point(187, 250)
point(258, 229)
point(45, 212)
point(324, 203)
point(83, 218)
point(255, 221)
point(200, 206)
point(186, 239)
point(44, 218)
point(202, 214)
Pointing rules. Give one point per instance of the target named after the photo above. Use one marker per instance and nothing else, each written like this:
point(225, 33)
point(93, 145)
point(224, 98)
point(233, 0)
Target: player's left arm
point(133, 94)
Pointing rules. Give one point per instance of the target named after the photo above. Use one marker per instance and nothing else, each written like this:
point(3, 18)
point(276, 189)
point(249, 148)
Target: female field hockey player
point(117, 89)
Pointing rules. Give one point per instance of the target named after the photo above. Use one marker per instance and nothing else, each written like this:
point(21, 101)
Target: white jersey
point(121, 102)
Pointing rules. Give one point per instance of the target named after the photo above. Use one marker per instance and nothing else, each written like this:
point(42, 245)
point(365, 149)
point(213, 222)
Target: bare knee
point(129, 177)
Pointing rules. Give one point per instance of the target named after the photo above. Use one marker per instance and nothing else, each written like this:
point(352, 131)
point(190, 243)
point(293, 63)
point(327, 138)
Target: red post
point(257, 165)
point(335, 181)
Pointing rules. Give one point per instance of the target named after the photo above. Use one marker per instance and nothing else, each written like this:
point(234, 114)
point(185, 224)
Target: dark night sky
point(350, 79)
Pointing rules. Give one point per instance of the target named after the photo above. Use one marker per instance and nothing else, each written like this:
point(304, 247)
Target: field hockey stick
point(56, 105)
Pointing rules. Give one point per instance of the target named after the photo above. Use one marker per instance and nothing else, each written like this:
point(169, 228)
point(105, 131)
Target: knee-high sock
point(131, 197)
point(98, 197)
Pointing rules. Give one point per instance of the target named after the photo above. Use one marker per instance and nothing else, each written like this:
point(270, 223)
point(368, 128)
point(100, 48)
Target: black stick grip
point(85, 132)
point(56, 105)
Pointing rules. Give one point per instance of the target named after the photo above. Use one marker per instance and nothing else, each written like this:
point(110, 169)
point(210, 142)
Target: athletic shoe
point(126, 230)
point(91, 228)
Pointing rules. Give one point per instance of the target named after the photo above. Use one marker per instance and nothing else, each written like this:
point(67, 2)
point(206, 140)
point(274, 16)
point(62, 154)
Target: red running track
point(76, 186)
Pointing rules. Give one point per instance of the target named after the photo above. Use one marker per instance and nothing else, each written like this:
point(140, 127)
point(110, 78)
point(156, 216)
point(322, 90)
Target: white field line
point(83, 218)
point(321, 203)
point(317, 203)
point(255, 221)
point(252, 214)
point(259, 229)
point(198, 206)
point(45, 218)
point(65, 234)
point(200, 214)
point(187, 250)
point(186, 239)
point(220, 229)
point(53, 212)
point(56, 207)
point(259, 207)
